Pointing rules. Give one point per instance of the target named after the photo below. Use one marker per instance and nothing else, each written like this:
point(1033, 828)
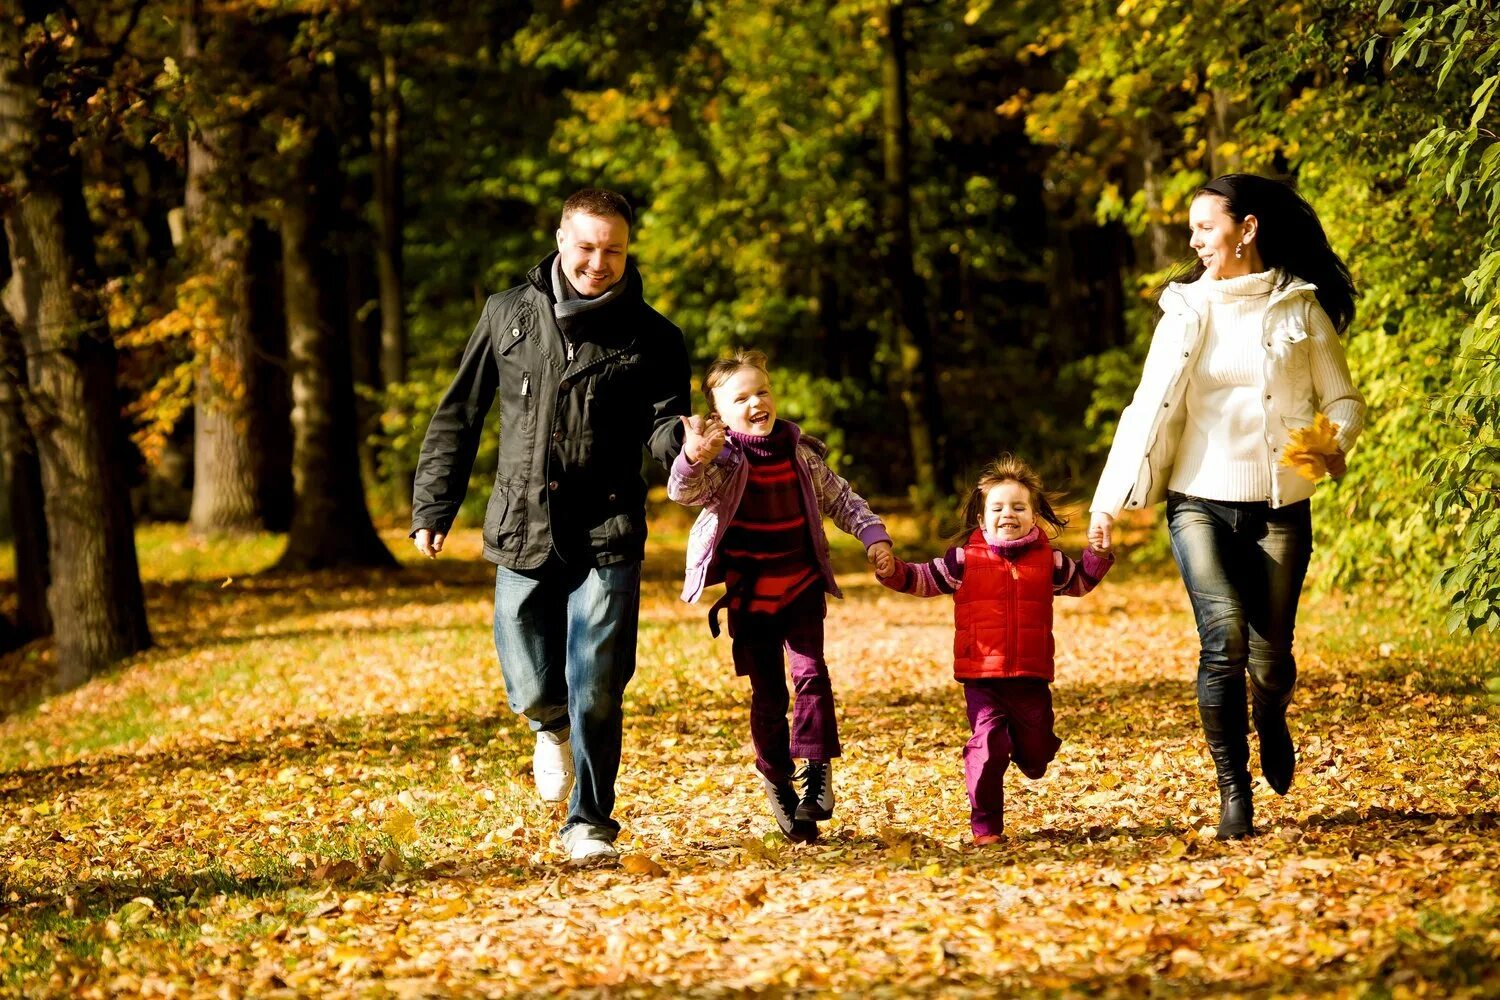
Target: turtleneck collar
point(1244, 286)
point(1012, 547)
point(761, 447)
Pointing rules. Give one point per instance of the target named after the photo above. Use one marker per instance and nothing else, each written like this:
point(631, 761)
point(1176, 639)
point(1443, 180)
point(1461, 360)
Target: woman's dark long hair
point(1290, 237)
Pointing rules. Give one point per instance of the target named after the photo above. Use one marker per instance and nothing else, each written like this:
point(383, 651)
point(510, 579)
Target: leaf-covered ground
point(313, 786)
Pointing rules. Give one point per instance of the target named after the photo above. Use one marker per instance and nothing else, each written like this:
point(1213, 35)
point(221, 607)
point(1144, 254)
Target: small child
point(1003, 579)
point(764, 488)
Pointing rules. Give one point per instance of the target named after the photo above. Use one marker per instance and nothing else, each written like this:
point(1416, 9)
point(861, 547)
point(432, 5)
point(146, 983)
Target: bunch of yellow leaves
point(1308, 448)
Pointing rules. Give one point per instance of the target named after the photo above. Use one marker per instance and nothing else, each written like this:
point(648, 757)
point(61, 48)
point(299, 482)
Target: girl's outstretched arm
point(837, 499)
point(932, 578)
point(1074, 579)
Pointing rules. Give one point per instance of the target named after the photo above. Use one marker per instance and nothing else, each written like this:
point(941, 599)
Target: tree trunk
point(225, 472)
point(95, 597)
point(1221, 128)
point(916, 380)
point(1163, 244)
point(390, 213)
point(271, 392)
point(23, 473)
point(331, 524)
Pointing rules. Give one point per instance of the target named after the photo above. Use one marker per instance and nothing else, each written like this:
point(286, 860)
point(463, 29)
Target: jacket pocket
point(505, 517)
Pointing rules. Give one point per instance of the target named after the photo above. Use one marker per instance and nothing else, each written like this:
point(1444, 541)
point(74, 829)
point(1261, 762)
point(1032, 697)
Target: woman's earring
point(1239, 251)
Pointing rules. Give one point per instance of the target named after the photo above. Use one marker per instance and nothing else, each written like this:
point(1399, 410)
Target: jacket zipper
point(526, 385)
point(1015, 612)
point(605, 359)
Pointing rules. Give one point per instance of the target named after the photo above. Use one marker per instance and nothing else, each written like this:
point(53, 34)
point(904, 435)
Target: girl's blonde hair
point(723, 369)
point(1010, 469)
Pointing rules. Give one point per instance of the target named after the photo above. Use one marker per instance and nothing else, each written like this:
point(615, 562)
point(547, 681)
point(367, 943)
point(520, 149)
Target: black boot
point(1278, 757)
point(1229, 746)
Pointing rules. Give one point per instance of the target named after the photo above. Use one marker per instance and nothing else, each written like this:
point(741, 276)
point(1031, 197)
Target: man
point(587, 373)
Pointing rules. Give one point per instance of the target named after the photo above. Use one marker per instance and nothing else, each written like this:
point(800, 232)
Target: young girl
point(764, 489)
point(1003, 579)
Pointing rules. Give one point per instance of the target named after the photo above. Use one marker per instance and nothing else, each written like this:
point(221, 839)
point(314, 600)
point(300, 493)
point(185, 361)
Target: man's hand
point(1336, 464)
point(882, 558)
point(1101, 531)
point(428, 543)
point(702, 438)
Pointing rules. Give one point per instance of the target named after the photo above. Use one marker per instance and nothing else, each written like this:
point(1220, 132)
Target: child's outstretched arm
point(848, 509)
point(1075, 578)
point(932, 578)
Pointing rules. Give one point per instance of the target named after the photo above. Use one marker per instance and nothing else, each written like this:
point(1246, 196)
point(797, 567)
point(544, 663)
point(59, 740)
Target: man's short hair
point(600, 203)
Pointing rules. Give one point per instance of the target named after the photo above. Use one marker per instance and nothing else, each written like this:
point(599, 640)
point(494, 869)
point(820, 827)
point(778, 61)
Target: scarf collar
point(568, 304)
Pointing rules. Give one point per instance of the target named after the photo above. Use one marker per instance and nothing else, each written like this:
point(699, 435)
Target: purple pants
point(1011, 719)
point(758, 642)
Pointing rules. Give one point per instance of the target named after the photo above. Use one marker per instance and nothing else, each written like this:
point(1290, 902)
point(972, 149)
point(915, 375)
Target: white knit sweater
point(1223, 454)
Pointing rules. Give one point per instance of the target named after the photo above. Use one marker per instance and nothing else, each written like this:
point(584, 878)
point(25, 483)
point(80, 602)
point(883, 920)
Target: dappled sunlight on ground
point(313, 785)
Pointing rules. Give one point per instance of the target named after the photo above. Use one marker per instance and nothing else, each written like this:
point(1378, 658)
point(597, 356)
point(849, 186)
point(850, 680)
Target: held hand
point(1101, 531)
point(429, 543)
point(882, 558)
point(1336, 464)
point(702, 438)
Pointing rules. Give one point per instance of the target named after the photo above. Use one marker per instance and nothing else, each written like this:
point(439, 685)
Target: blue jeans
point(1243, 564)
point(566, 639)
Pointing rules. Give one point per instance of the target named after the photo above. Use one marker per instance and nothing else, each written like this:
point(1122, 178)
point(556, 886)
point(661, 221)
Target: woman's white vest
point(1296, 388)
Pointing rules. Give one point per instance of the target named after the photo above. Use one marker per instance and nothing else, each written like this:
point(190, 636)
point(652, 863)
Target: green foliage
point(1461, 161)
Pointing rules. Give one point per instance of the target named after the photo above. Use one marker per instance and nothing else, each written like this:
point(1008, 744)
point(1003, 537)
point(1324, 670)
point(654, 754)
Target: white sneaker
point(588, 851)
point(552, 766)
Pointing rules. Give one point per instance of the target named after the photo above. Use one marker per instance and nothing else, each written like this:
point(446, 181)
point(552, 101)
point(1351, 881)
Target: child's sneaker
point(784, 807)
point(987, 839)
point(817, 791)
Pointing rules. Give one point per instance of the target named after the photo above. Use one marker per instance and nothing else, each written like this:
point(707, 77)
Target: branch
point(118, 49)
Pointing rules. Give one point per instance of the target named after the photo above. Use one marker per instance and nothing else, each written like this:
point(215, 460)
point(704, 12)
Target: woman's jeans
point(566, 638)
point(1243, 564)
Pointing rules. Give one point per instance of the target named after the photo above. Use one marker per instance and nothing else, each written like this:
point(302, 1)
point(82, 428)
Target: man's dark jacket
point(571, 431)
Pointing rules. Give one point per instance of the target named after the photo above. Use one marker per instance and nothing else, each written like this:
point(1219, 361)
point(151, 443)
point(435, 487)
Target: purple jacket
point(719, 486)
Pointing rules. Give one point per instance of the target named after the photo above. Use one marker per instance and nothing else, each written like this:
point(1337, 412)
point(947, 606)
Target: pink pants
point(1011, 719)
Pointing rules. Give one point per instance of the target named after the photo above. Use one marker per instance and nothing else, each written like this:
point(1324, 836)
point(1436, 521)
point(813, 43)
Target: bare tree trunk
point(271, 392)
point(1162, 244)
point(95, 596)
point(390, 209)
point(916, 379)
point(225, 473)
point(1227, 114)
point(331, 524)
point(23, 473)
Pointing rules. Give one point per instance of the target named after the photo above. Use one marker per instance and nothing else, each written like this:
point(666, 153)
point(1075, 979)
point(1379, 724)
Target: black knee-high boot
point(1278, 757)
point(1227, 731)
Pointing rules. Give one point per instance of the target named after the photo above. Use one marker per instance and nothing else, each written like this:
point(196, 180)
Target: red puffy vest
point(1002, 613)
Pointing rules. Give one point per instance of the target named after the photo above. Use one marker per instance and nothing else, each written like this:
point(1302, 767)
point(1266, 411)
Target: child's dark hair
point(722, 369)
point(1010, 469)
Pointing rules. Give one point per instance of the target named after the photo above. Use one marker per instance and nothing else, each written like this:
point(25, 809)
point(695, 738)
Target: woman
point(1247, 350)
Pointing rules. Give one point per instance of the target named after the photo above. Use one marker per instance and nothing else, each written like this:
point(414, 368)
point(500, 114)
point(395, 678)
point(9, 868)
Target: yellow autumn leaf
point(400, 824)
point(640, 864)
point(1308, 448)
